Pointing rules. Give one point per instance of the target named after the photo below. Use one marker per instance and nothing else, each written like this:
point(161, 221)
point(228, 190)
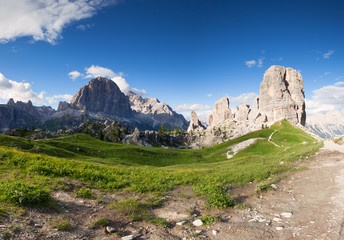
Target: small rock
point(276, 219)
point(287, 214)
point(252, 220)
point(197, 222)
point(312, 221)
point(129, 237)
point(279, 228)
point(37, 226)
point(274, 186)
point(3, 226)
point(215, 232)
point(198, 231)
point(181, 223)
point(109, 229)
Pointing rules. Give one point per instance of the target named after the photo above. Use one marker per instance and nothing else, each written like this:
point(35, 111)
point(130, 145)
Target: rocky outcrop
point(151, 112)
point(12, 117)
point(195, 123)
point(282, 95)
point(221, 113)
point(242, 112)
point(102, 96)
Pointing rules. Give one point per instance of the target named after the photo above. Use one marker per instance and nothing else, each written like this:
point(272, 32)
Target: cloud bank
point(43, 20)
point(327, 98)
point(21, 91)
point(98, 71)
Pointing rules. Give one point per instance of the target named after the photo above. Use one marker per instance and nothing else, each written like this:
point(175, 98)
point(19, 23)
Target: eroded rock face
point(152, 112)
point(282, 95)
point(221, 113)
point(102, 95)
point(195, 123)
point(242, 112)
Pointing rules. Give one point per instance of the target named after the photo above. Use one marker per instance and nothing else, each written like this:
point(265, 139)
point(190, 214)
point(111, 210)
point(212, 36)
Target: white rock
point(279, 228)
point(276, 219)
point(215, 232)
point(312, 221)
point(181, 223)
point(286, 214)
point(197, 223)
point(252, 220)
point(129, 237)
point(110, 229)
point(274, 186)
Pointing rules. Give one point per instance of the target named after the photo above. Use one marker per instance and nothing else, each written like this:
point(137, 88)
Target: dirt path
point(312, 202)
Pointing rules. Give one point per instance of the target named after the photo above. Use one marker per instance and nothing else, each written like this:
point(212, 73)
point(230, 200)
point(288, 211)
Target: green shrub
point(23, 193)
point(100, 222)
point(208, 220)
point(85, 193)
point(61, 223)
point(138, 211)
point(264, 188)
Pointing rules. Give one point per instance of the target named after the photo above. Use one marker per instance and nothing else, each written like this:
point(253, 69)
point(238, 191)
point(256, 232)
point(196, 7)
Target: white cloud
point(97, 71)
point(327, 98)
point(250, 63)
point(57, 98)
point(192, 107)
point(328, 54)
point(74, 75)
point(339, 77)
point(209, 95)
point(325, 74)
point(83, 27)
point(339, 83)
point(260, 62)
point(244, 98)
point(20, 91)
point(43, 20)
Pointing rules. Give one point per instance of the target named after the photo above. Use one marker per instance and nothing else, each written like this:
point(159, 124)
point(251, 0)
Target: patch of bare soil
point(307, 204)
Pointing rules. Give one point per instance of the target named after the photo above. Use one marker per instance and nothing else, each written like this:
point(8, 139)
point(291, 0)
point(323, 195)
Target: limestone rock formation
point(102, 96)
point(195, 123)
point(221, 112)
point(282, 95)
point(150, 111)
point(242, 112)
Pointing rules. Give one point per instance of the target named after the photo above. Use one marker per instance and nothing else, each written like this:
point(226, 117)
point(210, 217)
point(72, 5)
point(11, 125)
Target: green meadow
point(43, 165)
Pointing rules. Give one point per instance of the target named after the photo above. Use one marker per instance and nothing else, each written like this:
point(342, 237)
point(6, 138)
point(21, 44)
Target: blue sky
point(187, 53)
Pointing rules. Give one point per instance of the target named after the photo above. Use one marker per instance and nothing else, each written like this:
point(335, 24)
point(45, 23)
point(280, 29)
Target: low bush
point(23, 193)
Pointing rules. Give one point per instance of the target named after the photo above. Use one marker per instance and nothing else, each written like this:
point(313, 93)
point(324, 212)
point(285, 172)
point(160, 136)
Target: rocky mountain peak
point(101, 95)
point(221, 112)
point(282, 95)
point(195, 123)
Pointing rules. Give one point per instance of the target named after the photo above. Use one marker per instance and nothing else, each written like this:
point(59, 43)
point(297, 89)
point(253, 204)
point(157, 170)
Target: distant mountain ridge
point(99, 100)
point(327, 125)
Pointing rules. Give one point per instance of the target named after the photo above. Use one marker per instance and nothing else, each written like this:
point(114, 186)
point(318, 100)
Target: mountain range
point(327, 125)
point(99, 100)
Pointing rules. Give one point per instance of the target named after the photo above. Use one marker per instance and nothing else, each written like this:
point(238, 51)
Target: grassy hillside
point(113, 167)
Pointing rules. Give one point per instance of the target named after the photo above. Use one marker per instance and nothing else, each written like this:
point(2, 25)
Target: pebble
point(215, 232)
point(37, 226)
point(312, 221)
point(274, 186)
point(279, 228)
point(110, 229)
point(287, 214)
point(129, 237)
point(3, 226)
point(276, 219)
point(198, 231)
point(181, 223)
point(252, 220)
point(197, 222)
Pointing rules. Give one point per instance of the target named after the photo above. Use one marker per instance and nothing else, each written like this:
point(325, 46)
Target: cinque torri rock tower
point(282, 95)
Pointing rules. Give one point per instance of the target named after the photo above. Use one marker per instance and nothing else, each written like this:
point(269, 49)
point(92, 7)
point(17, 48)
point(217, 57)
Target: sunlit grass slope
point(142, 169)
